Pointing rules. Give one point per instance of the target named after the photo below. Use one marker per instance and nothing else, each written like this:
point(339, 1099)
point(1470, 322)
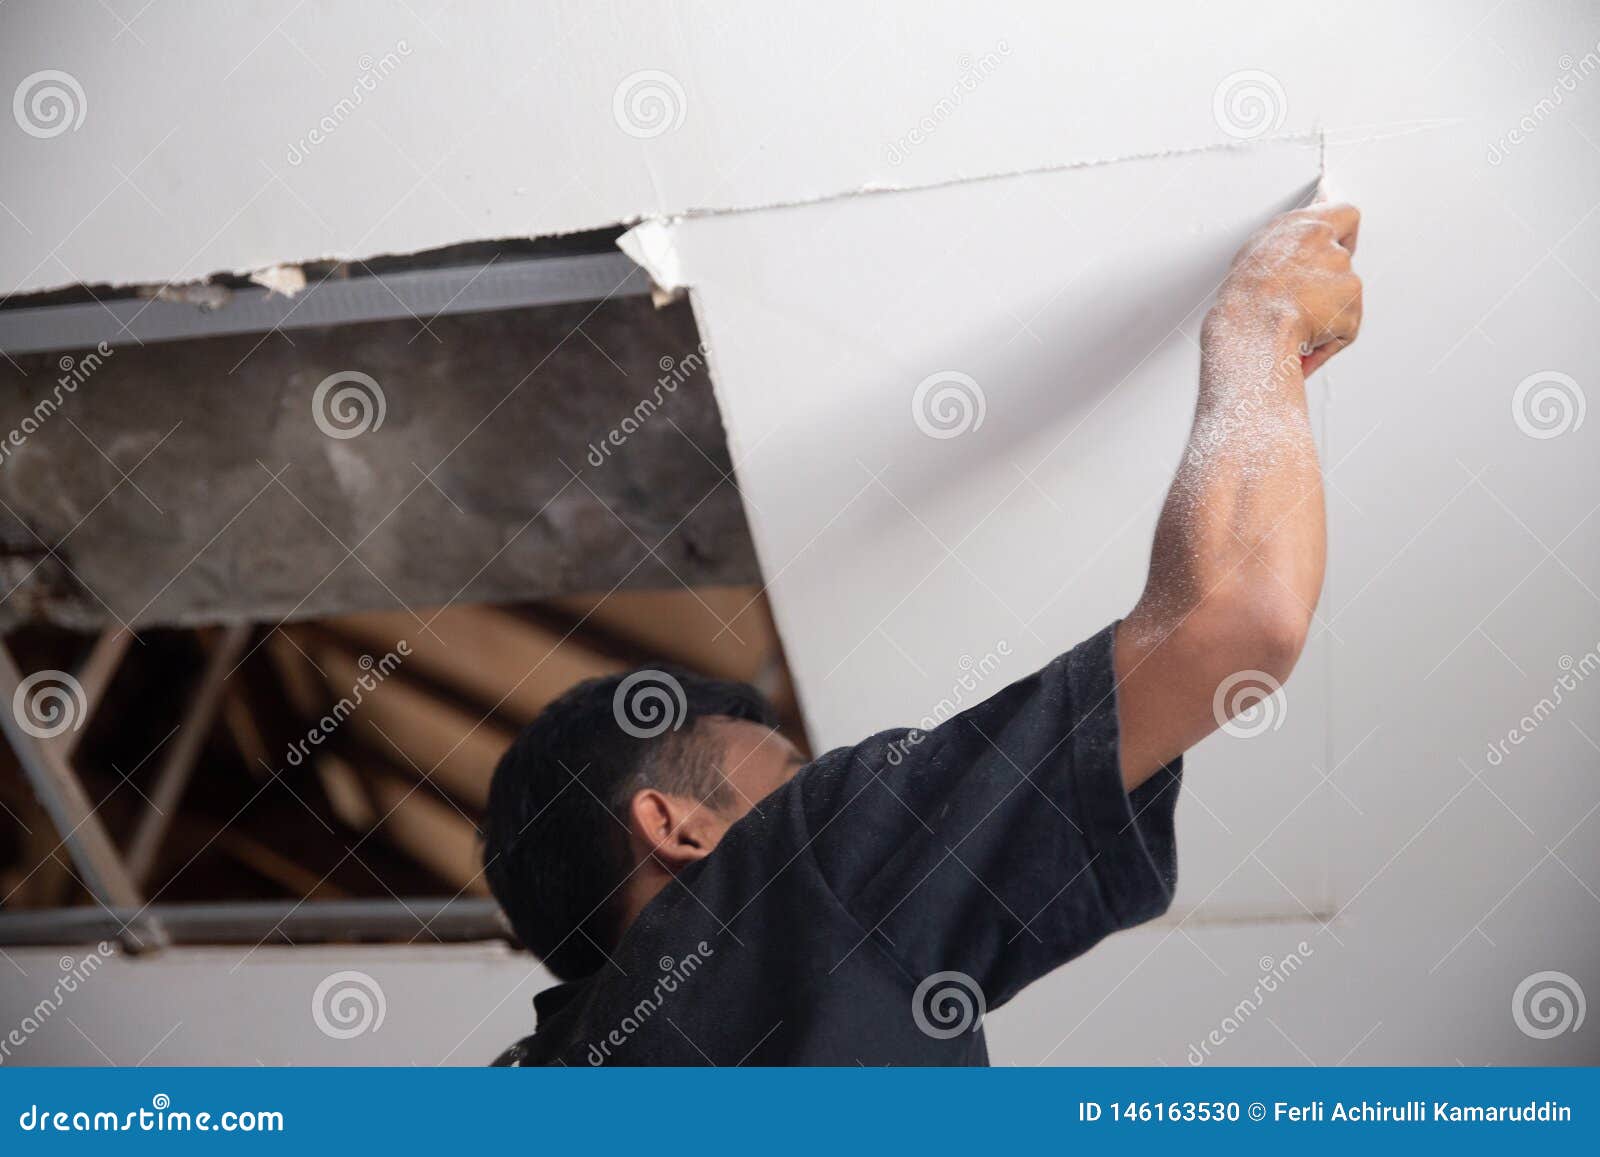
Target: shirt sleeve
point(1000, 844)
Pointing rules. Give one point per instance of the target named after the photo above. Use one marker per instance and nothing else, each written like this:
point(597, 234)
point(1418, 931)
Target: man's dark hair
point(555, 853)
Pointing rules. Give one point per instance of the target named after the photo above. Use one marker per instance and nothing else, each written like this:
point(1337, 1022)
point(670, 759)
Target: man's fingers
point(1291, 261)
point(1310, 363)
point(1343, 216)
point(1337, 334)
point(1349, 239)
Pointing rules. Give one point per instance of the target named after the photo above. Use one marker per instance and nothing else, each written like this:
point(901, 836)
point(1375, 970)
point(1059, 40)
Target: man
point(711, 898)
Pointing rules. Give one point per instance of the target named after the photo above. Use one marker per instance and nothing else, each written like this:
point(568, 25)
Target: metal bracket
point(105, 873)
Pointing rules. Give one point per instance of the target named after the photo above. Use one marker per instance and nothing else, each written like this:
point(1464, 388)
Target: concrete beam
point(505, 456)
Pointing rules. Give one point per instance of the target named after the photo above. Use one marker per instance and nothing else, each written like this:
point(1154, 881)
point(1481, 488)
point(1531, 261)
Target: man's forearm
point(1243, 521)
point(1237, 563)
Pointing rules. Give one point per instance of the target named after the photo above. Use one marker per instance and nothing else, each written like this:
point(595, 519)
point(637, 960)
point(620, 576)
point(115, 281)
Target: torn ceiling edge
point(1314, 136)
point(632, 222)
point(277, 273)
point(650, 241)
point(290, 276)
point(285, 280)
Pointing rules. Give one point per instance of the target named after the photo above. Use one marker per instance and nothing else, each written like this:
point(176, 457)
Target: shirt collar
point(547, 1005)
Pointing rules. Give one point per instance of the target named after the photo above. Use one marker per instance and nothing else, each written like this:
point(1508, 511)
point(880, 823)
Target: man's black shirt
point(870, 909)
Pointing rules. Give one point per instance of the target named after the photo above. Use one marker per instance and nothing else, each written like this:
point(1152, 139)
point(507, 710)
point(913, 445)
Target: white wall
point(1463, 550)
point(502, 120)
point(385, 1005)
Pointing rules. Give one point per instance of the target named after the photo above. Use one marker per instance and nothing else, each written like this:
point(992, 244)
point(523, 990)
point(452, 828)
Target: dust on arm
point(1237, 563)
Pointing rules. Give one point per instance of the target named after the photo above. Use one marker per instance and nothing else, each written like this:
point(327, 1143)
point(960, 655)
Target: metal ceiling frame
point(423, 294)
point(254, 922)
point(121, 912)
point(44, 761)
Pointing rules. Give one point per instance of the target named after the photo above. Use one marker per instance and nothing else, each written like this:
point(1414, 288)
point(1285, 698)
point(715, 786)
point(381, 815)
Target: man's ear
point(674, 830)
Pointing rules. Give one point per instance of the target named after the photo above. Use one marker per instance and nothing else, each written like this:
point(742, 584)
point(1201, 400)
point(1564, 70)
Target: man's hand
point(1295, 276)
point(1236, 568)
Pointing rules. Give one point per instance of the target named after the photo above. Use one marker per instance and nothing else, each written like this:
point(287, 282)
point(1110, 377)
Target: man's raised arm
point(1236, 568)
